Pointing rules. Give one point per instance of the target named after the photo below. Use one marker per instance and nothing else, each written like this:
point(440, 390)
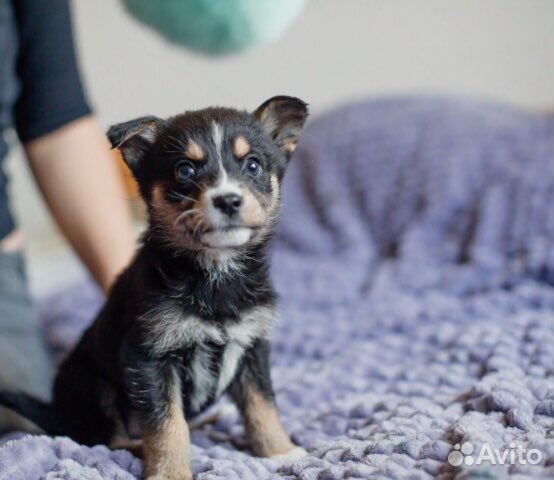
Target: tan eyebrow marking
point(241, 146)
point(194, 151)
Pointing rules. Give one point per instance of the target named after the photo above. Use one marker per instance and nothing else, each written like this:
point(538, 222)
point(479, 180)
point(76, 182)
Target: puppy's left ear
point(283, 119)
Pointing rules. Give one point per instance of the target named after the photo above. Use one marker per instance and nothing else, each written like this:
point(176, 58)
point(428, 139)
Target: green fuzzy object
point(217, 27)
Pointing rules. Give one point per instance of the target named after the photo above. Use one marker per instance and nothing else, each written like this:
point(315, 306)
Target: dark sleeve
point(51, 93)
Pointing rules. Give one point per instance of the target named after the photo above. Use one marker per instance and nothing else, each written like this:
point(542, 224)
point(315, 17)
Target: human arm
point(79, 179)
point(66, 149)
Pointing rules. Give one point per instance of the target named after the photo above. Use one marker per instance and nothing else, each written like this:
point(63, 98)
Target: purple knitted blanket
point(415, 259)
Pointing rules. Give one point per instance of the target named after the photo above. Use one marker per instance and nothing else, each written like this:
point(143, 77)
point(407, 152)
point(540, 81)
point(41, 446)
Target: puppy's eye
point(252, 167)
point(185, 172)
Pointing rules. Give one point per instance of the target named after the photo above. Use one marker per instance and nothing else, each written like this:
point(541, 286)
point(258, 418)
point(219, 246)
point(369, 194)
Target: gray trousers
point(25, 363)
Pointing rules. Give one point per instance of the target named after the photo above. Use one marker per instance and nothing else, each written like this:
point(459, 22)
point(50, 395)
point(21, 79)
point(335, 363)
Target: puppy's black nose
point(229, 204)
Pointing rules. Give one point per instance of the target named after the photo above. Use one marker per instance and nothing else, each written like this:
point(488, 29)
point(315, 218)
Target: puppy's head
point(211, 178)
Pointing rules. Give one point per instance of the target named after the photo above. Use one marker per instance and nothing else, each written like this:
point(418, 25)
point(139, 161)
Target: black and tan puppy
point(188, 320)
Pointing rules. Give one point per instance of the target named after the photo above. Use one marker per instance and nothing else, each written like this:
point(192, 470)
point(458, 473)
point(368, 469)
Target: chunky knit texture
point(415, 259)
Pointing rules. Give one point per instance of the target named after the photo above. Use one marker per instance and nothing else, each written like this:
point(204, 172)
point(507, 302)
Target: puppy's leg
point(79, 391)
point(166, 447)
point(133, 446)
point(252, 391)
point(155, 393)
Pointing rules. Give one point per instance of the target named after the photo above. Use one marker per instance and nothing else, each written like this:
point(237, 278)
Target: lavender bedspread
point(415, 259)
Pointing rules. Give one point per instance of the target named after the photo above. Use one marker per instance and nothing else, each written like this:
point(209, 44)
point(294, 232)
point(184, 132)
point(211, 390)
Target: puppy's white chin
point(227, 238)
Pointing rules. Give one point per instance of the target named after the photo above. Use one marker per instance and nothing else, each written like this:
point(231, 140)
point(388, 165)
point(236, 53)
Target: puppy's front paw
point(292, 455)
point(174, 474)
point(188, 476)
point(164, 477)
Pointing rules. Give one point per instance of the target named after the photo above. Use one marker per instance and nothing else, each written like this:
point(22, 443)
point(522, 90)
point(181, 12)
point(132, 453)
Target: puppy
point(188, 320)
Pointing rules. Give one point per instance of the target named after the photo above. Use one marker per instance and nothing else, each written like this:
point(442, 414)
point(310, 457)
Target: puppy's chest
point(211, 351)
point(207, 370)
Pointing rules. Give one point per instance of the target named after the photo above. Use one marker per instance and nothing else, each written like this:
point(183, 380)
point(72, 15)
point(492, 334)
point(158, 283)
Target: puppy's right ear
point(134, 137)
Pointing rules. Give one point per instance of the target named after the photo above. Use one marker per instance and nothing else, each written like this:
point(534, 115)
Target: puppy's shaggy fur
point(188, 320)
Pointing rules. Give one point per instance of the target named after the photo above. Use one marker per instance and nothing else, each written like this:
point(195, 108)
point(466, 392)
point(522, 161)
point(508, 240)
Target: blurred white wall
point(338, 50)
